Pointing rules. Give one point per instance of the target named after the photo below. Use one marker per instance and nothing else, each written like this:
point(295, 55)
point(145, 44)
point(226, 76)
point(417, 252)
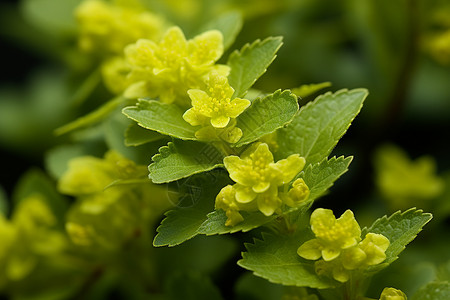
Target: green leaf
point(182, 223)
point(180, 159)
point(266, 115)
point(161, 117)
point(230, 24)
point(309, 89)
point(51, 15)
point(321, 176)
point(136, 135)
point(400, 229)
point(275, 258)
point(320, 124)
point(192, 286)
point(433, 291)
point(93, 117)
point(251, 62)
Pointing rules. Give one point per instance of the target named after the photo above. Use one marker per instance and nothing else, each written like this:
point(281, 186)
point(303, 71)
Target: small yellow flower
point(258, 179)
point(332, 235)
point(108, 28)
point(404, 182)
point(297, 194)
point(392, 294)
point(256, 172)
point(215, 104)
point(173, 66)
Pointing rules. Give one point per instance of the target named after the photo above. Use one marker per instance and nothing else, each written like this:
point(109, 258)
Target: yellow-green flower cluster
point(403, 182)
point(100, 186)
point(106, 28)
point(392, 294)
point(258, 179)
point(338, 248)
point(27, 238)
point(173, 66)
point(214, 110)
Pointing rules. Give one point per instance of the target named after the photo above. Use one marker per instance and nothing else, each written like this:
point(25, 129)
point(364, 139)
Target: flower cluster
point(173, 66)
point(107, 28)
point(214, 110)
point(339, 247)
point(258, 179)
point(404, 182)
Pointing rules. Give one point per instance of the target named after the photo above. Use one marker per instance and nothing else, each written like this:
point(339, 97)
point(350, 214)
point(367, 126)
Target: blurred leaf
point(161, 117)
point(93, 117)
point(230, 24)
point(136, 135)
point(53, 16)
point(275, 258)
point(320, 124)
point(248, 64)
point(192, 286)
point(251, 287)
point(266, 115)
point(180, 159)
point(400, 229)
point(433, 291)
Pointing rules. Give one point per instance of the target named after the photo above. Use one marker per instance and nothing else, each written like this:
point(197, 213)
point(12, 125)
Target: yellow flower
point(256, 172)
point(214, 105)
point(392, 294)
point(173, 66)
point(332, 235)
point(369, 252)
point(403, 182)
point(297, 194)
point(107, 28)
point(257, 179)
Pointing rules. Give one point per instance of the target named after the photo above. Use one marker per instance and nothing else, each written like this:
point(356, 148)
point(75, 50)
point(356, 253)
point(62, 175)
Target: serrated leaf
point(248, 64)
point(433, 291)
point(136, 135)
point(309, 89)
point(182, 223)
point(266, 115)
point(321, 176)
point(400, 229)
point(275, 258)
point(161, 117)
point(230, 24)
point(319, 179)
point(93, 117)
point(180, 159)
point(320, 124)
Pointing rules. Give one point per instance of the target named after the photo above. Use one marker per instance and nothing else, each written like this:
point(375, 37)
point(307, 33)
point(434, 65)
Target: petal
point(330, 253)
point(268, 203)
point(262, 154)
point(239, 169)
point(220, 121)
point(174, 42)
point(206, 134)
point(322, 220)
point(353, 258)
point(261, 187)
point(137, 90)
point(206, 48)
point(199, 98)
point(244, 194)
point(310, 250)
point(231, 135)
point(286, 169)
point(233, 218)
point(192, 117)
point(237, 106)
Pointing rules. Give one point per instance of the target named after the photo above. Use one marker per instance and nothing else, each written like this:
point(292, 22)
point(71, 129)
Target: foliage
point(162, 137)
